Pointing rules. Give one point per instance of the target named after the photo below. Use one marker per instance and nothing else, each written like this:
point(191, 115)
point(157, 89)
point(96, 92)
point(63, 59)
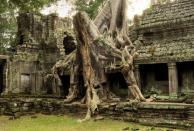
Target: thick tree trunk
point(95, 52)
point(113, 17)
point(85, 37)
point(128, 73)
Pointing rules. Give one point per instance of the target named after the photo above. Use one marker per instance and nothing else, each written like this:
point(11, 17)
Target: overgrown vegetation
point(90, 7)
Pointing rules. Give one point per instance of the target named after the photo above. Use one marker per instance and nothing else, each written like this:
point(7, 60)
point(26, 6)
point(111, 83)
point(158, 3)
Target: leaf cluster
point(90, 7)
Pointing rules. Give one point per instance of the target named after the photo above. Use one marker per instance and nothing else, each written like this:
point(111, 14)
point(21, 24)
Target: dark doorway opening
point(185, 77)
point(65, 79)
point(68, 43)
point(154, 79)
point(118, 85)
point(2, 75)
point(21, 39)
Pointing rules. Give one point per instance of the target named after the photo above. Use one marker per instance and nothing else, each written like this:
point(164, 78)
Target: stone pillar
point(173, 80)
point(137, 75)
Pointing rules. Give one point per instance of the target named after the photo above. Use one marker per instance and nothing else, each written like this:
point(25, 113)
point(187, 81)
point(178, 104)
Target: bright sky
point(64, 8)
point(137, 7)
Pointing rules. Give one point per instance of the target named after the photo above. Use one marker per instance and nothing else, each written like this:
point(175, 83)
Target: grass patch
point(67, 123)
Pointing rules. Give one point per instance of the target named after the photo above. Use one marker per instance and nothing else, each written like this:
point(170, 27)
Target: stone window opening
point(148, 34)
point(69, 43)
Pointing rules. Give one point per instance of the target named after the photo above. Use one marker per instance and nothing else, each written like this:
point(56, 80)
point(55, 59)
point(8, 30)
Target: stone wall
point(48, 31)
point(166, 50)
point(165, 33)
point(169, 13)
point(177, 115)
point(40, 43)
point(154, 79)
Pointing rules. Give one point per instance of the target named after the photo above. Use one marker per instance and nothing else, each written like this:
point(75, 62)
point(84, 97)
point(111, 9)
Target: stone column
point(173, 80)
point(137, 75)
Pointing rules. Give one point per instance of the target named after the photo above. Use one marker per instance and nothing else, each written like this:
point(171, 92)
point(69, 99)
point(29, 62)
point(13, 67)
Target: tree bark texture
point(100, 44)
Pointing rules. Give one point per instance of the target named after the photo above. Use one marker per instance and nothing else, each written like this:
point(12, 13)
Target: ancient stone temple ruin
point(40, 43)
point(165, 41)
point(164, 68)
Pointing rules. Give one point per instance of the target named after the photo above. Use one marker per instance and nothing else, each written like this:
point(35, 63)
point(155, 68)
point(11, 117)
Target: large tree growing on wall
point(101, 43)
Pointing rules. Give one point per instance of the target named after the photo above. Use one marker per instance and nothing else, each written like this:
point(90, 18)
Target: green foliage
point(7, 29)
point(91, 7)
point(29, 4)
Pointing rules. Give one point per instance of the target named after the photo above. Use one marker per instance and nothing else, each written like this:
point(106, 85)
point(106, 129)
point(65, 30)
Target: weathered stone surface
point(169, 13)
point(158, 114)
point(165, 33)
point(40, 43)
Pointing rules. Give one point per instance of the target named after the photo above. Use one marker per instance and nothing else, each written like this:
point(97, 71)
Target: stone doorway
point(65, 79)
point(118, 85)
point(186, 77)
point(2, 75)
point(154, 79)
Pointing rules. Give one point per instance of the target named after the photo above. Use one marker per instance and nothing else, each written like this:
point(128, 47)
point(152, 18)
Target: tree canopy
point(7, 5)
point(90, 7)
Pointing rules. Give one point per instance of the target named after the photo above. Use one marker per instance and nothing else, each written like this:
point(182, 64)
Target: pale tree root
point(105, 94)
point(138, 95)
point(73, 93)
point(93, 101)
